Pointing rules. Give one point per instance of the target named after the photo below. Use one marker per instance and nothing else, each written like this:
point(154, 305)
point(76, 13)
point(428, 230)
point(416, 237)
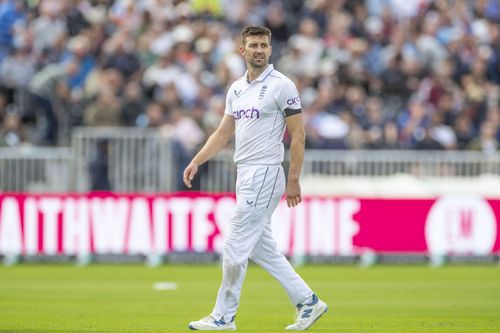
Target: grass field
point(57, 298)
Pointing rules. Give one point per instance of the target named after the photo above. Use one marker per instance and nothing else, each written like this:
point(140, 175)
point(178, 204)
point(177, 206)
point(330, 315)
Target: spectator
point(414, 123)
point(75, 20)
point(48, 87)
point(180, 124)
point(133, 103)
point(80, 51)
point(12, 17)
point(154, 117)
point(183, 146)
point(442, 133)
point(99, 167)
point(275, 20)
point(390, 136)
point(105, 111)
point(464, 130)
point(487, 141)
point(311, 46)
point(18, 68)
point(13, 133)
point(119, 54)
point(4, 104)
point(374, 124)
point(49, 28)
point(214, 114)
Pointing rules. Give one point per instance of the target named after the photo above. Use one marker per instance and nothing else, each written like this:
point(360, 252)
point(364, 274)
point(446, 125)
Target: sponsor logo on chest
point(251, 113)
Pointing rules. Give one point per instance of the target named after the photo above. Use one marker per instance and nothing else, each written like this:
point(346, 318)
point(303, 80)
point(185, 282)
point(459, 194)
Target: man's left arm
point(295, 126)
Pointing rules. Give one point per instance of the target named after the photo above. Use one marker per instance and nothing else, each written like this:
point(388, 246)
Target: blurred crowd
point(372, 74)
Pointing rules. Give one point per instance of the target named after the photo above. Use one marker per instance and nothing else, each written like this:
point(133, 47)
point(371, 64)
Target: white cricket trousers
point(258, 192)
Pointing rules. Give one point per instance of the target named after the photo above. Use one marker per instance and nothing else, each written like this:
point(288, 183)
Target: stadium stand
point(373, 74)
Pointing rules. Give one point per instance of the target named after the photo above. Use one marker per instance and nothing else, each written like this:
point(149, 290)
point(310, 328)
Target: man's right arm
point(214, 144)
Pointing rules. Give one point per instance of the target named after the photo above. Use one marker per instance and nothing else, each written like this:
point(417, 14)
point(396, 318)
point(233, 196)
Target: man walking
point(258, 107)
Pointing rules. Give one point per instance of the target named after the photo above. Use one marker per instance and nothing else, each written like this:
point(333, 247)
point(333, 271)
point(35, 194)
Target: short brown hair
point(254, 30)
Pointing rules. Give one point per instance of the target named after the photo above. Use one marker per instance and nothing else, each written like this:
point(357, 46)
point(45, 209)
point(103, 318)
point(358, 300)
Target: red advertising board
point(140, 224)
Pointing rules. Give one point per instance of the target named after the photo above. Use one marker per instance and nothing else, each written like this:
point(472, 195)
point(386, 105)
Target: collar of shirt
point(262, 75)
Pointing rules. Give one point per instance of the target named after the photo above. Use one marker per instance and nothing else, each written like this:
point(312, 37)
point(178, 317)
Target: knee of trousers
point(245, 230)
point(232, 256)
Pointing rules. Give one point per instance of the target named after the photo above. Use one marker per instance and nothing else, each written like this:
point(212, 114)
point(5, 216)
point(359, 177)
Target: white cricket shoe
point(307, 314)
point(210, 324)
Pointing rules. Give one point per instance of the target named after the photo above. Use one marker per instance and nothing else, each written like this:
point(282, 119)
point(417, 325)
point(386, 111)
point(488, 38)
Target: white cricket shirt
point(259, 109)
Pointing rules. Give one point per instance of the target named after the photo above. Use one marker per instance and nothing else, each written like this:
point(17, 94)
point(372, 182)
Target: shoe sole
point(226, 329)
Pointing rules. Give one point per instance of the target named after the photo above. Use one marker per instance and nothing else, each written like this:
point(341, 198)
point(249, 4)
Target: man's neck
point(253, 73)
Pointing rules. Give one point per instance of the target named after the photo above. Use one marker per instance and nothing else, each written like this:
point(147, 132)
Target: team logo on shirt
point(252, 113)
point(293, 101)
point(262, 92)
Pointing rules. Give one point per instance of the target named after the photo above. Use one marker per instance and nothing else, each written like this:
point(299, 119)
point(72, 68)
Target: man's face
point(256, 51)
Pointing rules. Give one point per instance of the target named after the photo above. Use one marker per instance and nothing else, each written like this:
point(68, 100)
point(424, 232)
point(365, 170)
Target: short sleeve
point(229, 108)
point(288, 98)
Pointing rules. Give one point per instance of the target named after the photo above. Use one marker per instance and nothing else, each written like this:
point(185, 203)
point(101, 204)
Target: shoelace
point(304, 313)
point(219, 322)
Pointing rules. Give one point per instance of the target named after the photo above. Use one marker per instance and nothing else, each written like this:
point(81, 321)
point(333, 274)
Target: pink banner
point(139, 224)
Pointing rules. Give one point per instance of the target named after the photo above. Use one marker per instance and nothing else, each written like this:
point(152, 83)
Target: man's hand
point(293, 196)
point(189, 173)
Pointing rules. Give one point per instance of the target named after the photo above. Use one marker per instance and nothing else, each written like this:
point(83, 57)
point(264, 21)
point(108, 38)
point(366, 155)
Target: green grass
point(37, 298)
